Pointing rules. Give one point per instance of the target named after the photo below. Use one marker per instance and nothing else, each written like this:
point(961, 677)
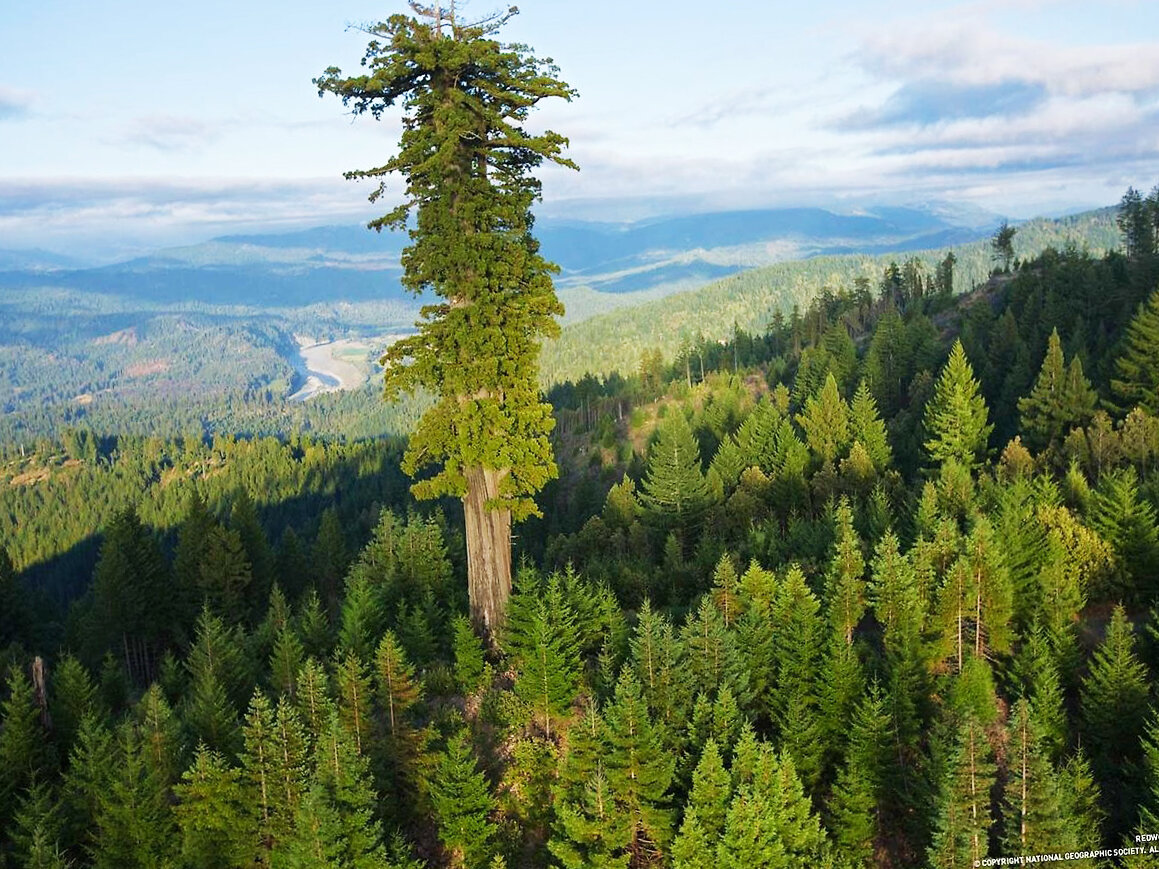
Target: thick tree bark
point(488, 551)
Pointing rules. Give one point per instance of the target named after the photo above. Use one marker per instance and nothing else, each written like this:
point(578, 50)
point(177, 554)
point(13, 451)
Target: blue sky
point(126, 124)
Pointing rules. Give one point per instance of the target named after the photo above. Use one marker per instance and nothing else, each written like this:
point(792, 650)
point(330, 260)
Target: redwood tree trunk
point(488, 551)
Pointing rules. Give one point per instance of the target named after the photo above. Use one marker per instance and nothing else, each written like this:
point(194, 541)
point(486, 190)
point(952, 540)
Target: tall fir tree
point(1114, 702)
point(463, 804)
point(1137, 368)
point(956, 417)
point(674, 491)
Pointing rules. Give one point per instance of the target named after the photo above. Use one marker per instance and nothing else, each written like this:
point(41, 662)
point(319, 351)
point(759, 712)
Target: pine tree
point(1061, 399)
point(711, 656)
point(656, 657)
point(1137, 383)
point(212, 813)
point(867, 428)
point(264, 770)
point(770, 822)
point(825, 421)
point(73, 696)
point(845, 583)
point(313, 699)
point(25, 752)
point(330, 557)
point(314, 626)
point(1035, 823)
point(14, 615)
point(354, 700)
point(956, 417)
point(286, 660)
point(225, 574)
point(90, 771)
point(38, 826)
point(341, 798)
point(639, 772)
point(1128, 523)
point(961, 837)
point(468, 655)
point(796, 701)
point(363, 619)
point(591, 830)
point(674, 491)
point(244, 521)
point(693, 848)
point(135, 825)
point(462, 803)
point(711, 791)
point(541, 637)
point(856, 804)
point(1114, 701)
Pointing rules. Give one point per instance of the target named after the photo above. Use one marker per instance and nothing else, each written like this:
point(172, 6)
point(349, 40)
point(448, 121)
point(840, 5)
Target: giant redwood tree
point(468, 161)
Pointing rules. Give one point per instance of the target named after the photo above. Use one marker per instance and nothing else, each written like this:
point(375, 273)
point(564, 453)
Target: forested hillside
point(874, 582)
point(185, 341)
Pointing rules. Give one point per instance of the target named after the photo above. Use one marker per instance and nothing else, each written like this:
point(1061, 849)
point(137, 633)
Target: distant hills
point(350, 263)
point(216, 327)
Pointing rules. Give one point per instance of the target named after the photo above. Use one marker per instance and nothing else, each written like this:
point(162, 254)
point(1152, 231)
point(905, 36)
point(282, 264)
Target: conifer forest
point(874, 583)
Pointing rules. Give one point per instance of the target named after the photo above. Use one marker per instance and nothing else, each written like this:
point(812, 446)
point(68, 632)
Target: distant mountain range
point(350, 263)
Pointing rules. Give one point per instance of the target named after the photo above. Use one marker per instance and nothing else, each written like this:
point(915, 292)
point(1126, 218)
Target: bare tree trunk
point(488, 551)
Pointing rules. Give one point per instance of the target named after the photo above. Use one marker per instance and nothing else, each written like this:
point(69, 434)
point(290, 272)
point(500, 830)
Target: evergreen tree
point(674, 491)
point(711, 792)
point(1062, 399)
point(845, 583)
point(337, 812)
point(693, 848)
point(212, 814)
point(656, 661)
point(825, 421)
point(225, 574)
point(462, 803)
point(770, 821)
point(591, 830)
point(354, 700)
point(14, 615)
point(313, 696)
point(796, 701)
point(867, 428)
point(73, 696)
point(25, 752)
point(856, 804)
point(244, 521)
point(956, 418)
point(639, 772)
point(1114, 701)
point(1137, 383)
point(542, 640)
point(135, 825)
point(362, 619)
point(1127, 522)
point(961, 837)
point(1035, 823)
point(468, 655)
point(478, 348)
point(286, 660)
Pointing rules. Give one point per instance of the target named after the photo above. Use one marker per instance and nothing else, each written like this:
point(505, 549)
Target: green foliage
point(1062, 398)
point(463, 804)
point(541, 637)
point(212, 813)
point(674, 490)
point(1137, 367)
point(956, 418)
point(1114, 702)
point(962, 831)
point(469, 188)
point(825, 420)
